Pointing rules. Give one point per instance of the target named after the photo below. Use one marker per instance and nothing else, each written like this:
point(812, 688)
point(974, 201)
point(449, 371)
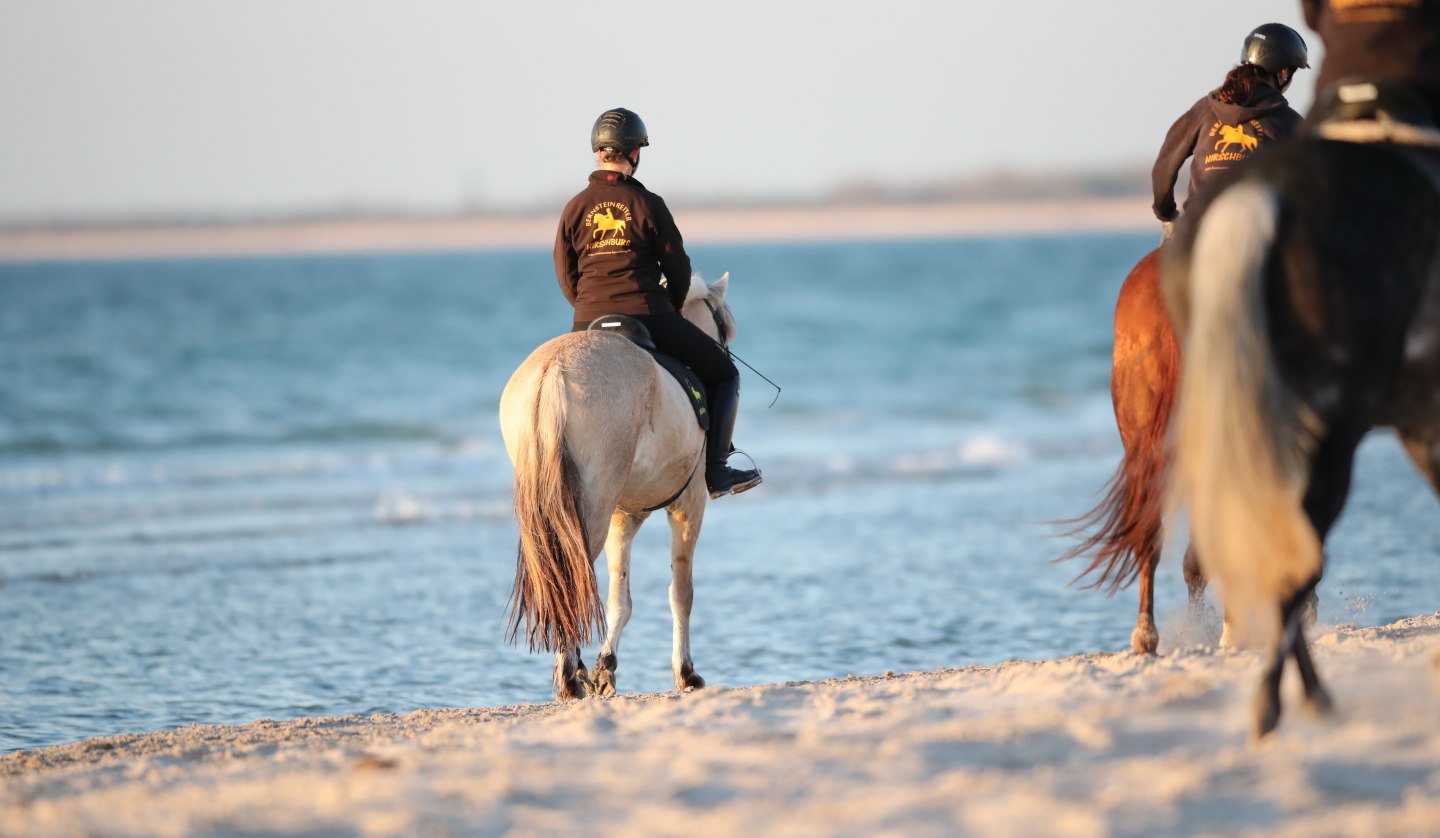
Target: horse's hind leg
point(1195, 581)
point(570, 678)
point(1292, 643)
point(1145, 639)
point(1316, 696)
point(685, 518)
point(1330, 471)
point(623, 527)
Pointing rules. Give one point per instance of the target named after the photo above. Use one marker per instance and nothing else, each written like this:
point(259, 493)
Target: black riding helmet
point(1274, 46)
point(619, 130)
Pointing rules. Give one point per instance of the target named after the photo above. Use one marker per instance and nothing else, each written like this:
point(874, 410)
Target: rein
point(724, 344)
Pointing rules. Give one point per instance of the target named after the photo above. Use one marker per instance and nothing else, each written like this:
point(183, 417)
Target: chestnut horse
point(1145, 369)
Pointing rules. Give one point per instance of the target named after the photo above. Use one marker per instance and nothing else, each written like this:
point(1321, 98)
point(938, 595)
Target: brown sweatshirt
point(1218, 136)
point(614, 241)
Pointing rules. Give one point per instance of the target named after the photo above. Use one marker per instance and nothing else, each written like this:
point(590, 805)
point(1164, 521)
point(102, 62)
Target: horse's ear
point(720, 285)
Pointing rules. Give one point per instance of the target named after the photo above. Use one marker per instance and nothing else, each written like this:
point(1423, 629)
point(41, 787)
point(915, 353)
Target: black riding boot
point(720, 478)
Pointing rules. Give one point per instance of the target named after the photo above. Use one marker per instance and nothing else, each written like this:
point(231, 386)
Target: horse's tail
point(1242, 436)
point(1125, 526)
point(555, 593)
point(1126, 523)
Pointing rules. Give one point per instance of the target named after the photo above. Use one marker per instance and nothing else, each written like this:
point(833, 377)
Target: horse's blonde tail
point(555, 593)
point(1242, 437)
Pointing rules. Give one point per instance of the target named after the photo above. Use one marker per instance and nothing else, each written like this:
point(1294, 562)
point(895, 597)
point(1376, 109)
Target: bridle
point(724, 339)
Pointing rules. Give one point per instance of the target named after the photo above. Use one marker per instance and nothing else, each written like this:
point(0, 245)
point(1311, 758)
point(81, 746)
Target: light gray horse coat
point(601, 435)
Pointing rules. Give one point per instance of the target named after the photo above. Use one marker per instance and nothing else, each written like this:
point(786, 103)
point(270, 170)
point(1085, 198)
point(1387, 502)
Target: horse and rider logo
point(610, 217)
point(605, 222)
point(1233, 143)
point(1233, 135)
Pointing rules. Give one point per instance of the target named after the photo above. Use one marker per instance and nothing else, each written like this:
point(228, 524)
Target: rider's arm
point(670, 251)
point(567, 267)
point(1179, 144)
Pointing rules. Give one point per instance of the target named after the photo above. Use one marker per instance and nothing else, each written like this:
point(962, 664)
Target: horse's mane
point(701, 290)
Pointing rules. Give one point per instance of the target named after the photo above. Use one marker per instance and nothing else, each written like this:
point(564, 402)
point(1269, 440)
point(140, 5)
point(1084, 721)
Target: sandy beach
point(1098, 744)
point(797, 223)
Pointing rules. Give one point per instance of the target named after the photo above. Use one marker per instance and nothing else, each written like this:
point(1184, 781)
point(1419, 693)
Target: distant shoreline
point(711, 226)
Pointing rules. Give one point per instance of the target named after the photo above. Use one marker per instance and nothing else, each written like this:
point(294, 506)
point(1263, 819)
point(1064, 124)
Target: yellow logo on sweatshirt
point(1234, 143)
point(1233, 135)
point(607, 222)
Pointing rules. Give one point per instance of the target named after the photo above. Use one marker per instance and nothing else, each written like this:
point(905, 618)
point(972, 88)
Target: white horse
point(601, 436)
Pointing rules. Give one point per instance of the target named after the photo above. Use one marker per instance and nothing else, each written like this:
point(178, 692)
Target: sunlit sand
point(812, 223)
point(1091, 745)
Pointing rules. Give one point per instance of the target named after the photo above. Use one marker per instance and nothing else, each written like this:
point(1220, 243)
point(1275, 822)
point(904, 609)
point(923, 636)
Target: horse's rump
point(633, 330)
point(1145, 366)
point(591, 423)
point(1292, 291)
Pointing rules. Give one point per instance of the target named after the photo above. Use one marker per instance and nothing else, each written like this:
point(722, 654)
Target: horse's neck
point(701, 317)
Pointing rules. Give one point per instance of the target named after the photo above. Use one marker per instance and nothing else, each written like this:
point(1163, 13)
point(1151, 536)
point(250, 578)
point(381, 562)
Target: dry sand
point(1100, 744)
point(870, 222)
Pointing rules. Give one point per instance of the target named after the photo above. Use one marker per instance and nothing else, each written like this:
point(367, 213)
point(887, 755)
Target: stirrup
point(743, 485)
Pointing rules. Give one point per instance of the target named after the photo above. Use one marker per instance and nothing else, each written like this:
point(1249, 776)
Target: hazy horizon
point(261, 110)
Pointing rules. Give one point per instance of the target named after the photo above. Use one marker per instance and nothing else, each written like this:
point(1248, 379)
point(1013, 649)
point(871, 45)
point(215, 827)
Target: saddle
point(627, 327)
point(1363, 110)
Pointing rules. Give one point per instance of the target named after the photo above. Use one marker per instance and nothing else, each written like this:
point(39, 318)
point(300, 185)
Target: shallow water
point(234, 489)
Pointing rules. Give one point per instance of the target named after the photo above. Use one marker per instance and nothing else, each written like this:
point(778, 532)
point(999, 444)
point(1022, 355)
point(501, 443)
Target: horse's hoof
point(1319, 702)
point(573, 691)
point(573, 688)
point(1267, 714)
point(686, 679)
point(1144, 640)
point(603, 683)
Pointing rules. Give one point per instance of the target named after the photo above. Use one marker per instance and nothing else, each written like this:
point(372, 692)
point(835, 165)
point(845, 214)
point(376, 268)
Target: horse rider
point(616, 238)
point(1229, 124)
point(1394, 44)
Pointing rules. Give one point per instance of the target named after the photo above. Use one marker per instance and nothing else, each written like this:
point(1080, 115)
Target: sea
point(272, 487)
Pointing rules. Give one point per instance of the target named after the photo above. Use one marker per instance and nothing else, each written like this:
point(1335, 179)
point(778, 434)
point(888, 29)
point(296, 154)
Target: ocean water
point(234, 489)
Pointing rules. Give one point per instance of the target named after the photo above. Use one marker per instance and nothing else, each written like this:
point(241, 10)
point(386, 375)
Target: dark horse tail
point(555, 595)
point(1125, 526)
point(1241, 436)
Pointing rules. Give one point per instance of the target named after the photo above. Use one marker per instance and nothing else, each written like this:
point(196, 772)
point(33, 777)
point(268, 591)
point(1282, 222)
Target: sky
point(212, 109)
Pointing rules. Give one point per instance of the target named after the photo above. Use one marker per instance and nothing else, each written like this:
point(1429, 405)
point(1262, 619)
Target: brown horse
point(1145, 369)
